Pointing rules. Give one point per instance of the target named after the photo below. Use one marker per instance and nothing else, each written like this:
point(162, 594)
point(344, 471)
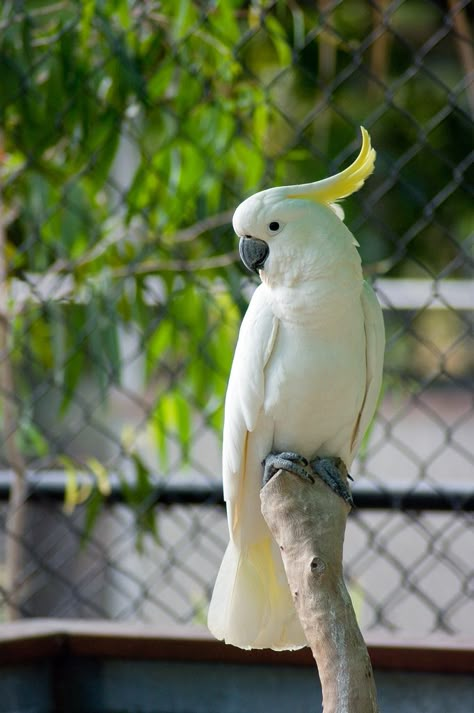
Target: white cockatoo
point(303, 387)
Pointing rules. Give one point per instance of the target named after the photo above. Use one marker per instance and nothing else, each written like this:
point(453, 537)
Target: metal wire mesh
point(129, 133)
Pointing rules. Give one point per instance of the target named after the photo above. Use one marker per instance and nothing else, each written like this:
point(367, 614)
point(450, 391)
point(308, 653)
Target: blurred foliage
point(126, 125)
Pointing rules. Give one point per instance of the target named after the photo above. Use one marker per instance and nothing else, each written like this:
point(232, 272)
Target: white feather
point(305, 377)
point(375, 346)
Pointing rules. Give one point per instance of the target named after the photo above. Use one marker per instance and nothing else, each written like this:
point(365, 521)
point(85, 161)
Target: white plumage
point(305, 378)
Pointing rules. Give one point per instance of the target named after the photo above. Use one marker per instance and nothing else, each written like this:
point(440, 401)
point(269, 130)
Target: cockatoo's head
point(288, 232)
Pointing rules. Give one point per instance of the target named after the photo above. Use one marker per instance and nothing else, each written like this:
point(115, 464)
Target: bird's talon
point(287, 460)
point(333, 472)
point(293, 457)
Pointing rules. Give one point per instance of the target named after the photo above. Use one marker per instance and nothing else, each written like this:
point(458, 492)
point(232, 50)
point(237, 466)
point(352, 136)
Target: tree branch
point(308, 522)
point(16, 514)
point(202, 226)
point(154, 267)
point(463, 40)
point(181, 236)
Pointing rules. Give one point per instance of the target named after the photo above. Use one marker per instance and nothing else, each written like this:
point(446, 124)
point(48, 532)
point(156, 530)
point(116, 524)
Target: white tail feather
point(251, 605)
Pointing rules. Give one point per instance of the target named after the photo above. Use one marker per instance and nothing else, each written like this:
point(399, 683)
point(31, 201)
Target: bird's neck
point(315, 300)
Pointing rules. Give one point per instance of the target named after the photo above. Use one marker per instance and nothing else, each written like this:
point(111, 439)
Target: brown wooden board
point(24, 641)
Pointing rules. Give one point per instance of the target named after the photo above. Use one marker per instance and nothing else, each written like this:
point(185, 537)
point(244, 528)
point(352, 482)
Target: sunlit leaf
point(88, 9)
point(101, 474)
point(76, 492)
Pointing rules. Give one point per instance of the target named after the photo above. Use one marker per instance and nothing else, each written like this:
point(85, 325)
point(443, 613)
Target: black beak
point(253, 252)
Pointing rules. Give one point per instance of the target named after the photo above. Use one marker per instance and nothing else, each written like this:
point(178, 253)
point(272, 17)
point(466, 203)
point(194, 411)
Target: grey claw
point(294, 457)
point(289, 461)
point(329, 471)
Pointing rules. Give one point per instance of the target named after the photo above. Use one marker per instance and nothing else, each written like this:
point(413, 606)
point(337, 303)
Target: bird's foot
point(333, 472)
point(289, 461)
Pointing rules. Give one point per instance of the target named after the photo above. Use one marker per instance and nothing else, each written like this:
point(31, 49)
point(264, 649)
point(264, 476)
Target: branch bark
point(463, 40)
point(308, 522)
point(16, 514)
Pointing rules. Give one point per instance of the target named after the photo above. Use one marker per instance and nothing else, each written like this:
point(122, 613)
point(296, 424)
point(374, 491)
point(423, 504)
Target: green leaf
point(145, 512)
point(183, 424)
point(245, 154)
point(161, 80)
point(73, 370)
point(279, 40)
point(88, 10)
point(31, 440)
point(185, 18)
point(94, 506)
point(260, 122)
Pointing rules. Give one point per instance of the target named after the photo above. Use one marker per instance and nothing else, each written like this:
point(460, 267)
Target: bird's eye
point(274, 226)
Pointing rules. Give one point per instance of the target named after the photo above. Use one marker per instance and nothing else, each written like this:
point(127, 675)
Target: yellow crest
point(341, 184)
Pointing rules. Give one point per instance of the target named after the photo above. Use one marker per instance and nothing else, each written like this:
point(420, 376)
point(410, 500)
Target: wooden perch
point(308, 522)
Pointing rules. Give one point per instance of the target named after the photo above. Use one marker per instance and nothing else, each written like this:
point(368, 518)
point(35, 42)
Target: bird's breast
point(315, 382)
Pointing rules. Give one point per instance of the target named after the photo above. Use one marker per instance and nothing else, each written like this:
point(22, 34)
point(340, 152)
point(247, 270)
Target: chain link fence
point(129, 131)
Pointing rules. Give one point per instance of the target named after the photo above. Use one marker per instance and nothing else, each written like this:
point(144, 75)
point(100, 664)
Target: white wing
point(251, 605)
point(375, 346)
point(243, 407)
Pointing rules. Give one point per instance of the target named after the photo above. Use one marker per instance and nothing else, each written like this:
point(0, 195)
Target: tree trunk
point(16, 516)
point(308, 522)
